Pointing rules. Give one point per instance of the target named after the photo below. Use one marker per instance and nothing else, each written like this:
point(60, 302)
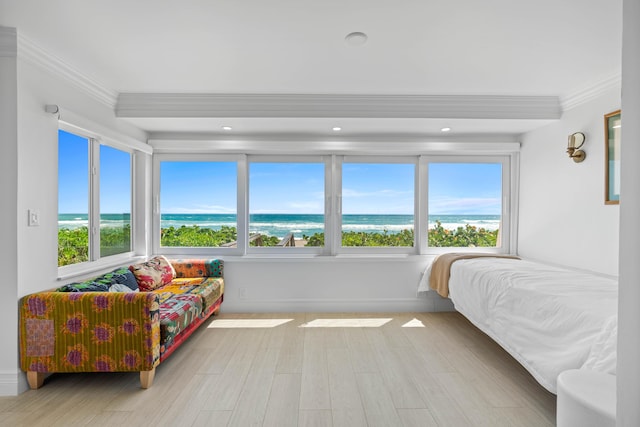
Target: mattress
point(548, 318)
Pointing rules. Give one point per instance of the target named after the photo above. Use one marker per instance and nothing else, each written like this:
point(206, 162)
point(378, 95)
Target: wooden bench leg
point(35, 379)
point(146, 378)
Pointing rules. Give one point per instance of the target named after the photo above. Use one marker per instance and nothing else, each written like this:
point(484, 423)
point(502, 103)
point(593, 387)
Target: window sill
point(95, 267)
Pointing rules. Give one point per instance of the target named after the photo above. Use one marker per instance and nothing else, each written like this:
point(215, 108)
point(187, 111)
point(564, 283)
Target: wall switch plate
point(34, 218)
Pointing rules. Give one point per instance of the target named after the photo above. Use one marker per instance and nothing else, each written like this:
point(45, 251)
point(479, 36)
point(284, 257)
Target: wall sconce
point(576, 140)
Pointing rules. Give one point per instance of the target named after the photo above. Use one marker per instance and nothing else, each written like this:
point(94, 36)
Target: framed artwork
point(612, 127)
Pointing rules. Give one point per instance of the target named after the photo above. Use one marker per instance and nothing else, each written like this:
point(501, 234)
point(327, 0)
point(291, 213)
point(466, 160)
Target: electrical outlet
point(242, 293)
point(34, 218)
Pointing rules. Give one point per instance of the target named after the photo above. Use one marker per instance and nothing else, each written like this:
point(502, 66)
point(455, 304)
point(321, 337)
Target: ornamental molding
point(612, 82)
point(35, 55)
point(132, 105)
point(337, 106)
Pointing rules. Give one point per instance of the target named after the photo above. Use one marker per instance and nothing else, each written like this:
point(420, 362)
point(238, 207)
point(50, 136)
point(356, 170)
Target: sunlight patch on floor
point(414, 323)
point(346, 323)
point(247, 323)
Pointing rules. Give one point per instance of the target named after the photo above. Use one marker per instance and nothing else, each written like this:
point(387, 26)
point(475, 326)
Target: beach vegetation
point(462, 237)
point(73, 244)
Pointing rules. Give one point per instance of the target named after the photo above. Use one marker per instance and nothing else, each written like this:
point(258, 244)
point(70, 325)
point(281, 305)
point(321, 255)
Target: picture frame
point(612, 128)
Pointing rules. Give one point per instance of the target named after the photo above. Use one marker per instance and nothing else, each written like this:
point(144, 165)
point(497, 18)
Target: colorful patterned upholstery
point(198, 267)
point(117, 331)
point(176, 313)
point(89, 332)
point(209, 288)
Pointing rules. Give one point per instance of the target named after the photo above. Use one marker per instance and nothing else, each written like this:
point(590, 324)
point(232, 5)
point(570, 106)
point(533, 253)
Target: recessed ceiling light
point(445, 129)
point(356, 38)
point(337, 128)
point(227, 127)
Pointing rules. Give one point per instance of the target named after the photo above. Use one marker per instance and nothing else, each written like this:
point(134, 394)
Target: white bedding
point(550, 319)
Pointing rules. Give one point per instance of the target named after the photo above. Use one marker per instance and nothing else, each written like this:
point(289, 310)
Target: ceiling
point(487, 64)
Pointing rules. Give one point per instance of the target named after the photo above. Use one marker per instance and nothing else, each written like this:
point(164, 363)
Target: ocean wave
point(286, 225)
point(487, 225)
point(377, 227)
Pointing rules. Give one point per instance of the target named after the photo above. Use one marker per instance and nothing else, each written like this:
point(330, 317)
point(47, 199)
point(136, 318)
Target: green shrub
point(73, 245)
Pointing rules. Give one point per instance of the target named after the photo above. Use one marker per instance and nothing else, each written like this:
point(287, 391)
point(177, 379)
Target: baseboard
point(336, 305)
point(10, 384)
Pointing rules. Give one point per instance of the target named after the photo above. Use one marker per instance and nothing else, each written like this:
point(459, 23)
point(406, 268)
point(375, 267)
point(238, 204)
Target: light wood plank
point(315, 378)
point(397, 380)
point(349, 418)
point(416, 418)
point(315, 418)
point(377, 402)
point(252, 402)
point(284, 401)
point(323, 376)
point(208, 418)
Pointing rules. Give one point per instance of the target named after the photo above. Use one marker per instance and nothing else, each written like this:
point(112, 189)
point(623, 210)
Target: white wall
point(8, 212)
point(328, 284)
point(28, 164)
point(563, 218)
point(628, 386)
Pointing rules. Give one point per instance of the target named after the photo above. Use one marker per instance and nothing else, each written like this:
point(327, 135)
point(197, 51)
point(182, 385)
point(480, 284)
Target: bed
point(548, 318)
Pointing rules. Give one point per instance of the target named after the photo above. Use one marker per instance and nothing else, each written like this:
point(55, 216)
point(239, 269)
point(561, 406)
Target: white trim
point(9, 384)
point(89, 128)
point(323, 161)
point(508, 233)
point(337, 106)
point(329, 147)
point(375, 160)
point(241, 204)
point(583, 96)
point(431, 303)
point(35, 55)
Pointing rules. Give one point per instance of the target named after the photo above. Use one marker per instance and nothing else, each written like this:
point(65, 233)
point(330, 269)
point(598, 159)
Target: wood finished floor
point(383, 369)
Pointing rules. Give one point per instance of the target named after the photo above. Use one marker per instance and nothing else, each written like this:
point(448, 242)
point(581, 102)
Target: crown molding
point(35, 55)
point(177, 105)
point(612, 82)
point(391, 146)
point(8, 42)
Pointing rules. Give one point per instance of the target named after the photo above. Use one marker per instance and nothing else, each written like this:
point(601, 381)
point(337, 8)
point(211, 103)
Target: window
point(115, 201)
point(331, 205)
point(94, 199)
point(465, 203)
point(198, 204)
point(73, 198)
point(378, 203)
point(286, 203)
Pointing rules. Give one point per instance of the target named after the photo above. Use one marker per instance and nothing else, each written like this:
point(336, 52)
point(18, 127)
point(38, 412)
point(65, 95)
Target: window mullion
point(94, 199)
point(421, 216)
point(242, 218)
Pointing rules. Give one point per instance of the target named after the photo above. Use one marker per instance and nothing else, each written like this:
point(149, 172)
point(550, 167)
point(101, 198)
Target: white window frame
point(506, 154)
point(389, 250)
point(241, 205)
point(328, 205)
point(507, 235)
point(95, 261)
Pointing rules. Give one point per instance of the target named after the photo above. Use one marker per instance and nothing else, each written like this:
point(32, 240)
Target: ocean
point(281, 224)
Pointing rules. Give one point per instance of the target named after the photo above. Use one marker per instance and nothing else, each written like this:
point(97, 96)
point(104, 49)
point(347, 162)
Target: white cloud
point(470, 205)
point(201, 209)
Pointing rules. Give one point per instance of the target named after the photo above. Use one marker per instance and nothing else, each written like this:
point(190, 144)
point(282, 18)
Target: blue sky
point(73, 177)
point(465, 188)
point(294, 188)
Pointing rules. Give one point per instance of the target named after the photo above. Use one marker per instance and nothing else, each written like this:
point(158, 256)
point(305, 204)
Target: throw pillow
point(154, 273)
point(123, 276)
